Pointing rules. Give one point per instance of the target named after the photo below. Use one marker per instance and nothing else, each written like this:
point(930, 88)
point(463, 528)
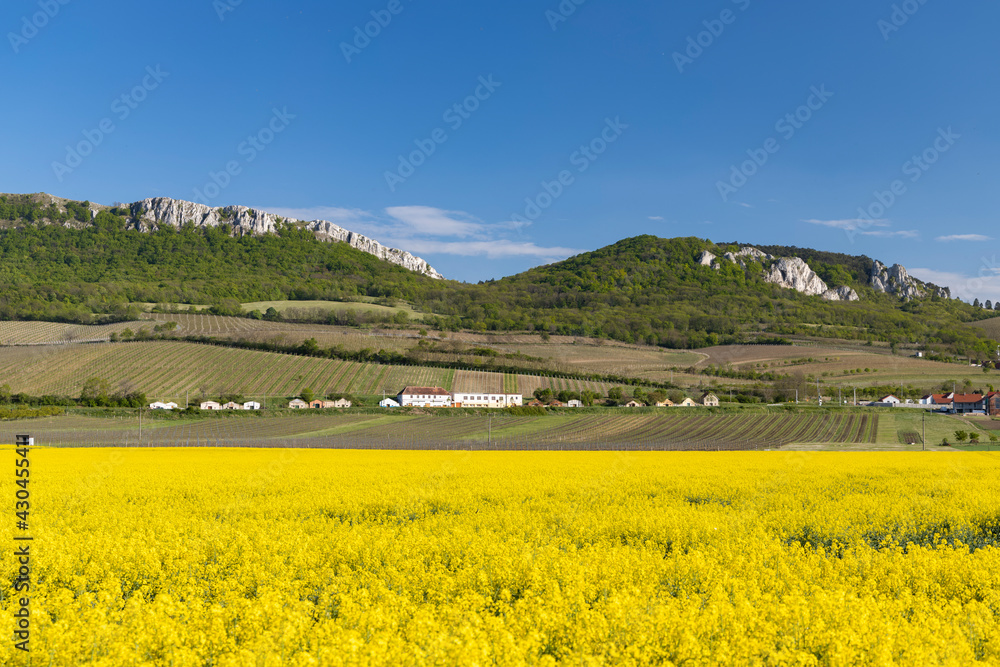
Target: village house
point(232, 405)
point(665, 403)
point(210, 405)
point(388, 403)
point(251, 405)
point(939, 400)
point(424, 397)
point(889, 401)
point(963, 404)
point(341, 403)
point(687, 403)
point(163, 406)
point(481, 400)
point(635, 404)
point(574, 403)
point(298, 404)
point(710, 400)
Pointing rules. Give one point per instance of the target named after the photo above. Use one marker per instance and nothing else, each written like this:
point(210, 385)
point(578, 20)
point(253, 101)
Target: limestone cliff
point(154, 213)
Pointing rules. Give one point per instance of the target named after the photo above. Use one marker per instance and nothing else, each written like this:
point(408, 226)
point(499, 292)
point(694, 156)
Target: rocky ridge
point(794, 273)
point(154, 213)
point(895, 280)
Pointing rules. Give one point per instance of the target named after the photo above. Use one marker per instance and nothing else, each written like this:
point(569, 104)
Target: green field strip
point(378, 383)
point(313, 377)
point(285, 374)
point(161, 363)
point(356, 426)
point(358, 368)
point(327, 379)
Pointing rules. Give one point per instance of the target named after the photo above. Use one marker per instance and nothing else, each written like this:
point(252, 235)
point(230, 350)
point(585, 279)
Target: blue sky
point(488, 137)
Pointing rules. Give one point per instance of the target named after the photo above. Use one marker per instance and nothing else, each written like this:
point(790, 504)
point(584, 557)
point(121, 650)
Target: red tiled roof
point(968, 398)
point(425, 391)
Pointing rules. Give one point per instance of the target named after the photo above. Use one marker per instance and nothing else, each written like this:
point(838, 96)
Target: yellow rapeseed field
point(273, 557)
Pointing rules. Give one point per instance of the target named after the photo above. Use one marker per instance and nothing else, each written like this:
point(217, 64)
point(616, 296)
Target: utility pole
point(855, 397)
point(923, 431)
point(796, 396)
point(819, 395)
point(140, 426)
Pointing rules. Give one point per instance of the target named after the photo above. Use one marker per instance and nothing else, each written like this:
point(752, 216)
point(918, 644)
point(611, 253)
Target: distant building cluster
point(210, 405)
point(319, 404)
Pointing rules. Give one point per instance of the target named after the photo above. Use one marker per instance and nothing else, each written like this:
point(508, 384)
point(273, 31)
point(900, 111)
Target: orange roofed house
point(993, 404)
point(966, 403)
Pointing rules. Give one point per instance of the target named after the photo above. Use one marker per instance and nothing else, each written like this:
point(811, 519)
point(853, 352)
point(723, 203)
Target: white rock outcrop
point(152, 214)
point(895, 280)
point(794, 273)
point(708, 259)
point(841, 294)
point(749, 251)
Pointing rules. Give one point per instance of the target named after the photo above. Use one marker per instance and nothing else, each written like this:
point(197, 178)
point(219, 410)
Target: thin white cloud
point(495, 249)
point(901, 234)
point(429, 221)
point(746, 205)
point(656, 217)
point(849, 224)
point(429, 230)
point(965, 287)
point(964, 237)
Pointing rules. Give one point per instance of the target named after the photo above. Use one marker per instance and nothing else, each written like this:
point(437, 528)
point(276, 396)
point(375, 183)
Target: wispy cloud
point(984, 286)
point(964, 237)
point(429, 221)
point(495, 249)
point(430, 230)
point(901, 234)
point(656, 217)
point(850, 224)
point(746, 205)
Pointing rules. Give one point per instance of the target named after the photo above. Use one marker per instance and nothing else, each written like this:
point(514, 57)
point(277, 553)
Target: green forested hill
point(643, 289)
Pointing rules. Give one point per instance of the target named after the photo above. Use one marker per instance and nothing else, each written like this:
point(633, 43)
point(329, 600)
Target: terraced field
point(673, 430)
point(55, 333)
point(172, 370)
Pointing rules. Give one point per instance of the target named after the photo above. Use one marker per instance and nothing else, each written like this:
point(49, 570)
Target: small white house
point(162, 406)
point(388, 403)
point(210, 405)
point(889, 400)
point(574, 404)
point(251, 405)
point(298, 404)
point(341, 403)
point(425, 397)
point(232, 405)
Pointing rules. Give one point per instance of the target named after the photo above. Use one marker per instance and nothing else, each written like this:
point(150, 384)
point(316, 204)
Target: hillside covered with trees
point(60, 265)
